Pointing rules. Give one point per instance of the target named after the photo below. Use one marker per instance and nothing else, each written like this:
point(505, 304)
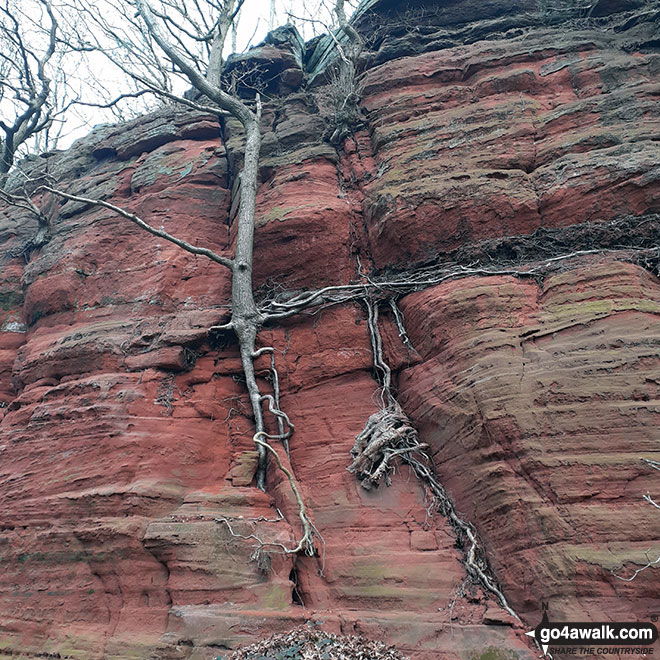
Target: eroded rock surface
point(126, 454)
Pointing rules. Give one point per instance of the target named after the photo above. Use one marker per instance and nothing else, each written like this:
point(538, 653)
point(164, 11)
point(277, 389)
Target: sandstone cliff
point(501, 133)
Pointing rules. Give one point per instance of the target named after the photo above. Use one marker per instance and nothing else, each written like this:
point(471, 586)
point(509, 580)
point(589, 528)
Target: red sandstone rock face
point(547, 396)
point(531, 134)
point(126, 458)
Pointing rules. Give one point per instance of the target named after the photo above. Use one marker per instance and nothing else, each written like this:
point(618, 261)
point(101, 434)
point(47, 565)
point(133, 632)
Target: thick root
point(306, 543)
point(387, 435)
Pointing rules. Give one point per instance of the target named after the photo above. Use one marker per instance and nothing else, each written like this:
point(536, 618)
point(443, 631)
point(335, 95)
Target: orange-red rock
point(126, 454)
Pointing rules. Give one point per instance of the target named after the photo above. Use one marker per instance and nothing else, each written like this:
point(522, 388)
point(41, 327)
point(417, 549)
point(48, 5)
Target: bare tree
point(45, 77)
point(177, 40)
point(346, 94)
point(184, 45)
point(197, 31)
point(32, 97)
point(25, 83)
point(190, 46)
point(40, 50)
point(48, 51)
point(184, 41)
point(170, 37)
point(342, 57)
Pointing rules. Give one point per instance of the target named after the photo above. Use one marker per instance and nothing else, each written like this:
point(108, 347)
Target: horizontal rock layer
point(126, 459)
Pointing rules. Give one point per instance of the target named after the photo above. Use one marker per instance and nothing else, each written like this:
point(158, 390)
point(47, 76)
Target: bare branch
point(224, 100)
point(20, 201)
point(205, 252)
point(109, 104)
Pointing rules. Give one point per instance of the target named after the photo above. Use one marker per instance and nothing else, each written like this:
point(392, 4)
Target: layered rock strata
point(126, 454)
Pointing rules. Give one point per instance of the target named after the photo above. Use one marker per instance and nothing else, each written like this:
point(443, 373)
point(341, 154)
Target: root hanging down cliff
point(389, 435)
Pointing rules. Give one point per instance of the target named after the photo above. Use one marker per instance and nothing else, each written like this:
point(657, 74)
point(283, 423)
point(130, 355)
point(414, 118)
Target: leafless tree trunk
point(273, 15)
point(160, 29)
point(24, 82)
point(245, 319)
point(226, 22)
point(234, 30)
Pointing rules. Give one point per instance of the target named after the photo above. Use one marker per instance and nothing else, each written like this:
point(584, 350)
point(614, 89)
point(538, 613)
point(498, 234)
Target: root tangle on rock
point(390, 435)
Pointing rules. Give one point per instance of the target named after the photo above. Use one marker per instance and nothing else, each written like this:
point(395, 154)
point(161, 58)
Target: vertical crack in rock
point(109, 582)
point(389, 434)
point(534, 164)
point(230, 178)
point(355, 167)
point(351, 170)
point(152, 550)
point(296, 592)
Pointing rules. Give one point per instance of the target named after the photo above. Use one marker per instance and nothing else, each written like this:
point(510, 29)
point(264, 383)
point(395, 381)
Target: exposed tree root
point(284, 306)
point(651, 562)
point(383, 371)
point(287, 304)
point(655, 465)
point(306, 544)
point(274, 400)
point(637, 235)
point(652, 464)
point(389, 435)
point(631, 239)
point(650, 500)
point(398, 320)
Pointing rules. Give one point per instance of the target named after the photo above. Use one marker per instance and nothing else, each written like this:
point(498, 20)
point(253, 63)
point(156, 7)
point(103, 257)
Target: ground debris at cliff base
point(307, 643)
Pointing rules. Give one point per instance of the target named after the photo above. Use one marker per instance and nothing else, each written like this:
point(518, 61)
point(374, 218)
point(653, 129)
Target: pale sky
point(252, 28)
point(93, 77)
